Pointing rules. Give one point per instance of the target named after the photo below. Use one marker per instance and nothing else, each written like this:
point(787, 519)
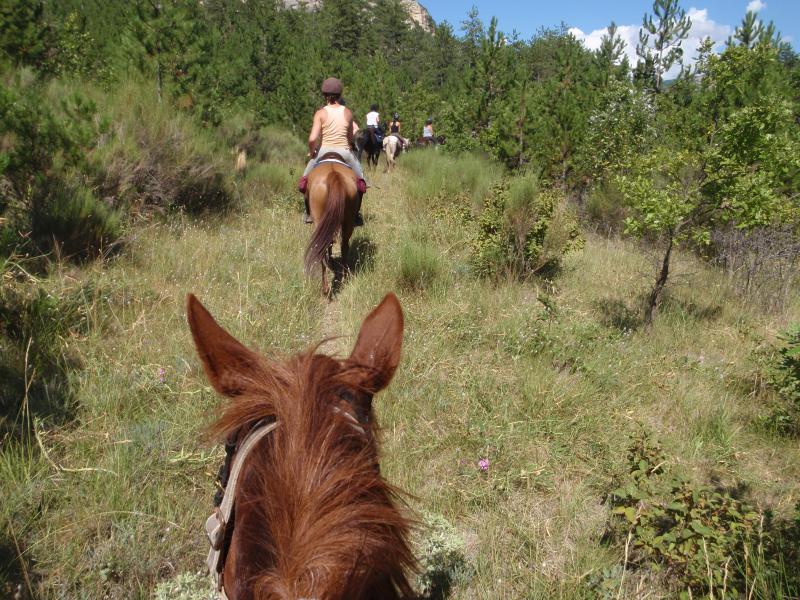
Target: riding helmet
point(332, 86)
point(396, 117)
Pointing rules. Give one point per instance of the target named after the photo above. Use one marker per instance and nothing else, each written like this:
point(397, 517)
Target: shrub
point(763, 264)
point(703, 539)
point(262, 143)
point(523, 229)
point(605, 209)
point(268, 178)
point(785, 378)
point(442, 558)
point(45, 201)
point(75, 220)
point(157, 159)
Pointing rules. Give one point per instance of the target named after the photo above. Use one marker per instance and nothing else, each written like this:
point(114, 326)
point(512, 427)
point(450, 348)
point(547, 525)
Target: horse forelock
point(328, 521)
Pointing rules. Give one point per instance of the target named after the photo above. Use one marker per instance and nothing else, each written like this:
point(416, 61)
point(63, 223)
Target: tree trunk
point(655, 294)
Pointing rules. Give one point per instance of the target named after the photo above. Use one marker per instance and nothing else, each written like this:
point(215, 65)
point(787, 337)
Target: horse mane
point(327, 514)
point(325, 230)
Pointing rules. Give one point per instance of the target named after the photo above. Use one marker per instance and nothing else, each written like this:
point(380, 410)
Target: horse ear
point(229, 366)
point(379, 343)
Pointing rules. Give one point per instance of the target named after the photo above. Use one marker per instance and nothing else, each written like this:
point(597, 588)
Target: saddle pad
point(338, 161)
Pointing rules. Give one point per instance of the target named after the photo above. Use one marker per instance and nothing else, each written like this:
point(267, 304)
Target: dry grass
point(546, 381)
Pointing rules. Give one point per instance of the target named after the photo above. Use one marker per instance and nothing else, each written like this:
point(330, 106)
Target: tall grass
point(156, 158)
point(432, 174)
point(546, 381)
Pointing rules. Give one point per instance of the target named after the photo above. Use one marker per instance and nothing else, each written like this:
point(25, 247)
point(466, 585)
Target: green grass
point(545, 380)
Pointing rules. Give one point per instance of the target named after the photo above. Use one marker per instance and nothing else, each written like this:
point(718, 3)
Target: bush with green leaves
point(46, 198)
point(523, 229)
point(704, 539)
point(784, 376)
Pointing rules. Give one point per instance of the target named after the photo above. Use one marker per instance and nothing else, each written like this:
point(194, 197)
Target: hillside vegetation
point(550, 381)
point(600, 388)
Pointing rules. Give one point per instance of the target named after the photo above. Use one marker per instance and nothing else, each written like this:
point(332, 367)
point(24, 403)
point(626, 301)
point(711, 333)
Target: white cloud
point(756, 5)
point(702, 27)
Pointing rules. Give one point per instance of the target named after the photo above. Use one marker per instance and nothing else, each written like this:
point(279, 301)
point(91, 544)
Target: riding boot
point(359, 222)
point(307, 217)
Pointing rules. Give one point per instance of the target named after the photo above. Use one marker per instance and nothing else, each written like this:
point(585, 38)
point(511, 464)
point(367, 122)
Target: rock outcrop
point(417, 13)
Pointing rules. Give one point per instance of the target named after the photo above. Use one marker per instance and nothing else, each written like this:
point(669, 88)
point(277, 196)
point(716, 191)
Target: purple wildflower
point(161, 375)
point(484, 464)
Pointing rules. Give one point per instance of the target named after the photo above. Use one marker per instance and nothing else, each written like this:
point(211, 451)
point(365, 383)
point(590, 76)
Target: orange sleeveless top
point(334, 129)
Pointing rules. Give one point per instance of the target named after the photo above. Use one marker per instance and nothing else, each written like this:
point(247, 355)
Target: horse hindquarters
point(328, 223)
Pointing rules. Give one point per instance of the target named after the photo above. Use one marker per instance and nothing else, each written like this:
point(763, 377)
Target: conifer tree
point(668, 25)
point(23, 32)
point(611, 58)
point(750, 30)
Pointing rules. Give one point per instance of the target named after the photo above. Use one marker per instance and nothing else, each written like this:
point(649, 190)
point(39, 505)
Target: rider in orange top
point(332, 131)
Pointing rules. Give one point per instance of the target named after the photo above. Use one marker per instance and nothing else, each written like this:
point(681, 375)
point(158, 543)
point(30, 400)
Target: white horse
point(392, 146)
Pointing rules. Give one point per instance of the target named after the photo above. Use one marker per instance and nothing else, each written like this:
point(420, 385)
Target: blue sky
point(715, 18)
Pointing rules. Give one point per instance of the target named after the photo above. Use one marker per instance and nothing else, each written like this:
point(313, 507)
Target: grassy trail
point(545, 380)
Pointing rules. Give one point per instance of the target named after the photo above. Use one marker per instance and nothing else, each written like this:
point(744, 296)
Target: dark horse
point(365, 143)
point(313, 517)
point(423, 142)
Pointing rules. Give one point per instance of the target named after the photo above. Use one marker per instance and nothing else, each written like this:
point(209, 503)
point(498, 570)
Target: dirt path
point(332, 326)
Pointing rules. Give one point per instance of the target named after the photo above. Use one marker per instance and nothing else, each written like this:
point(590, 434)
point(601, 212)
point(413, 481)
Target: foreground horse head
point(333, 200)
point(313, 516)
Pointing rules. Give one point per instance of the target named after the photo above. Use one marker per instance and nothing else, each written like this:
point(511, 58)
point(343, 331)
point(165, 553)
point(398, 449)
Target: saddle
point(331, 157)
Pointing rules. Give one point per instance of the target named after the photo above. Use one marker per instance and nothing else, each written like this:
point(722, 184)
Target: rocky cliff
point(417, 13)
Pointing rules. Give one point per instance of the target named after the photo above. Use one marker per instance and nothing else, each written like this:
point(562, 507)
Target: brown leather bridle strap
point(219, 521)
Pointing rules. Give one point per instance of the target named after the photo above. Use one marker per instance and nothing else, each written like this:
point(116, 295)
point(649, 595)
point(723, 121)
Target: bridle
point(219, 525)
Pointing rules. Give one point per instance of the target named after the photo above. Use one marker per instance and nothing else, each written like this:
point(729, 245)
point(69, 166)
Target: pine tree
point(23, 32)
point(611, 58)
point(750, 31)
point(670, 27)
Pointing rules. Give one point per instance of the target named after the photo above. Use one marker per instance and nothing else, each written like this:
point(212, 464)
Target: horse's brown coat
point(333, 199)
point(314, 518)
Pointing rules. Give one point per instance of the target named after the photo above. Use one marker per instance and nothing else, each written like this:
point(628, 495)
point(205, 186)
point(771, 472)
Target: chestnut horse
point(313, 517)
point(333, 201)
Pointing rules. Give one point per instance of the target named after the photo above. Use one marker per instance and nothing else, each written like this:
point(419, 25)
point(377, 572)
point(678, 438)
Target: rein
point(218, 524)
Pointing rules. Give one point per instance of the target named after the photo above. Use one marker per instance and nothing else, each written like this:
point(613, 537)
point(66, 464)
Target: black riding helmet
point(396, 117)
point(374, 107)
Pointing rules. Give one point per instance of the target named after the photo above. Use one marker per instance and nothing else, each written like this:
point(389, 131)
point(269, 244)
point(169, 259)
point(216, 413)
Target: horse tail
point(329, 223)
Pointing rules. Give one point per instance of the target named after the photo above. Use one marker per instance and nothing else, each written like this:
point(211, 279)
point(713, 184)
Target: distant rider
point(373, 122)
point(394, 129)
point(427, 132)
point(332, 131)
